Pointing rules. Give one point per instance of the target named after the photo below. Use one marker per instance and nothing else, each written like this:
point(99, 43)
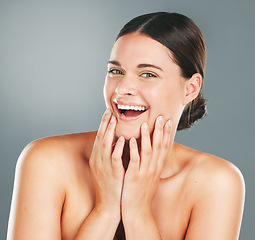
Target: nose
point(126, 86)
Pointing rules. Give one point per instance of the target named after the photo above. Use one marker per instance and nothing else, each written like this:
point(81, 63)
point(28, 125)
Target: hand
point(143, 173)
point(106, 166)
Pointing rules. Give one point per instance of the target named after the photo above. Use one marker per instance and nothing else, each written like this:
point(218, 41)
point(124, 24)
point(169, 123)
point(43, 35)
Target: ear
point(192, 87)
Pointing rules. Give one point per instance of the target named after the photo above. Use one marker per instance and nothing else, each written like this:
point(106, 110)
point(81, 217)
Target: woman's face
point(142, 83)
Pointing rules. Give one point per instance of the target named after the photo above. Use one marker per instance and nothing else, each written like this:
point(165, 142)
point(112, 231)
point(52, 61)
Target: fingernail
point(107, 111)
point(169, 123)
point(121, 138)
point(160, 119)
point(112, 119)
point(132, 139)
point(145, 126)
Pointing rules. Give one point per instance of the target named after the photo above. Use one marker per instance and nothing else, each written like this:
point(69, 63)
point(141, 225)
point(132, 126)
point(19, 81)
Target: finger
point(103, 126)
point(117, 155)
point(134, 156)
point(165, 143)
point(157, 138)
point(145, 146)
point(108, 138)
point(100, 134)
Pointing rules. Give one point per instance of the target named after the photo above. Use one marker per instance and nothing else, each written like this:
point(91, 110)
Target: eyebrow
point(114, 63)
point(142, 65)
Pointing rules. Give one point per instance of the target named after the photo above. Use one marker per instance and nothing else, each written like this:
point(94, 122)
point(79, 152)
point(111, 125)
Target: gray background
point(53, 58)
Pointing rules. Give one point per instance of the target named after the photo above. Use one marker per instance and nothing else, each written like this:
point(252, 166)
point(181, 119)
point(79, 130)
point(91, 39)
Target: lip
point(123, 117)
point(129, 104)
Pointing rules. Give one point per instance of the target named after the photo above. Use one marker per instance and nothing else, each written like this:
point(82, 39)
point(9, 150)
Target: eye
point(148, 75)
point(115, 71)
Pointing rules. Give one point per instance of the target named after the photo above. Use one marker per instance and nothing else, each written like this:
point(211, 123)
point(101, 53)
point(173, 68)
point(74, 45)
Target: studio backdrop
point(53, 57)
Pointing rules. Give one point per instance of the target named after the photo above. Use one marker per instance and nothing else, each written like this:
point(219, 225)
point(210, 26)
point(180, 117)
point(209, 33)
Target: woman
point(130, 180)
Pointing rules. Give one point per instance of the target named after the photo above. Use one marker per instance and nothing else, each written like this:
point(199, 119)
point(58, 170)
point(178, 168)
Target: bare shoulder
point(216, 189)
point(209, 174)
point(218, 172)
point(57, 149)
point(44, 171)
point(54, 159)
point(212, 168)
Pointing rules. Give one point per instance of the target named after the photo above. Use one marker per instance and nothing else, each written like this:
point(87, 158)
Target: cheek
point(167, 100)
point(108, 92)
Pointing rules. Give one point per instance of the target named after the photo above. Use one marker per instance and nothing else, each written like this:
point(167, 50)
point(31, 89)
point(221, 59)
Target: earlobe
point(192, 88)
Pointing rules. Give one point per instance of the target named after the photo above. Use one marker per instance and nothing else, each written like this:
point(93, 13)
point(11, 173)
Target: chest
point(171, 209)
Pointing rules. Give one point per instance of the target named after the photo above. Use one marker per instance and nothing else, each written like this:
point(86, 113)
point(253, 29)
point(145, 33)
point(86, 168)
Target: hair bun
point(193, 112)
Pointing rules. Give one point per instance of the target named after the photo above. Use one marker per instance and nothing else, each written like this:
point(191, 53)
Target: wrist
point(109, 214)
point(136, 215)
point(139, 225)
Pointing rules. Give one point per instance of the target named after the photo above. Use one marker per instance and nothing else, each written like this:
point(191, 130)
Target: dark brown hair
point(186, 43)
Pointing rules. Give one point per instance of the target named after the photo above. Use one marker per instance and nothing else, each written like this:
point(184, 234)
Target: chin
point(127, 132)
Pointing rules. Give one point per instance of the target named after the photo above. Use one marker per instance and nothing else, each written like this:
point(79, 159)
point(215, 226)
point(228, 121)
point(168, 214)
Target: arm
point(217, 214)
point(39, 190)
point(38, 196)
point(100, 224)
point(141, 181)
point(107, 175)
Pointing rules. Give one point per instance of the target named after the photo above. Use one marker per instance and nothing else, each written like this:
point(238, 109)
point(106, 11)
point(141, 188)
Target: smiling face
point(142, 83)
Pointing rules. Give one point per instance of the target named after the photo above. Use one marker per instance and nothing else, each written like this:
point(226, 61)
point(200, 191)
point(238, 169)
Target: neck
point(169, 161)
point(126, 155)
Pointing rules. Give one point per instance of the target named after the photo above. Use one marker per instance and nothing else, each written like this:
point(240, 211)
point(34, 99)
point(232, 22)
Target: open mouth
point(131, 111)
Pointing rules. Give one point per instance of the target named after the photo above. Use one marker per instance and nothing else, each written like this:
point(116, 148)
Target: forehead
point(136, 48)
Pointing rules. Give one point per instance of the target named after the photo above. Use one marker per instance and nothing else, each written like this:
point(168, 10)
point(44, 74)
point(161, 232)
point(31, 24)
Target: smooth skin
point(60, 194)
point(82, 186)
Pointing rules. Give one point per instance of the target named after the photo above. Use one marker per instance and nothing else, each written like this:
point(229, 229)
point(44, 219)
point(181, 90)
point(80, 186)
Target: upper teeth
point(126, 107)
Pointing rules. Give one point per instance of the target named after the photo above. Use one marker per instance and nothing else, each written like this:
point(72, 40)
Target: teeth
point(126, 107)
